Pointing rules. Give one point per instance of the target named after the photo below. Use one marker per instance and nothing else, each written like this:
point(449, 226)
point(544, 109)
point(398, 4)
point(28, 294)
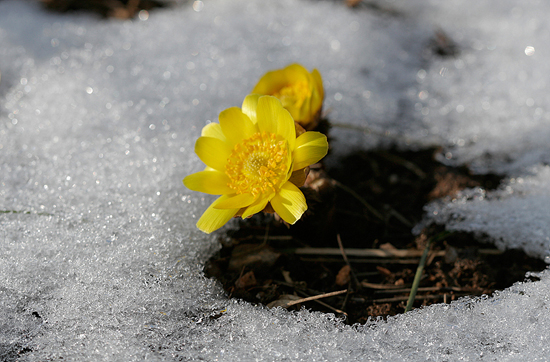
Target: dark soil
point(370, 202)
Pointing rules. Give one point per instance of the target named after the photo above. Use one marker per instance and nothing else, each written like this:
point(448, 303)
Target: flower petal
point(305, 115)
point(213, 152)
point(272, 81)
point(317, 95)
point(318, 83)
point(286, 128)
point(213, 218)
point(255, 207)
point(289, 203)
point(250, 104)
point(235, 201)
point(273, 118)
point(213, 130)
point(209, 182)
point(267, 113)
point(236, 125)
point(296, 72)
point(310, 148)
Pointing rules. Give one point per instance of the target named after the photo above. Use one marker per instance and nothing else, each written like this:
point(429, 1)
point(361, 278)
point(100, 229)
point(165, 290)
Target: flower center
point(259, 164)
point(293, 95)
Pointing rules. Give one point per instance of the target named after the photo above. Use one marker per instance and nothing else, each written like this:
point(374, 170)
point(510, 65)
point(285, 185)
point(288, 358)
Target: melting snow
point(100, 257)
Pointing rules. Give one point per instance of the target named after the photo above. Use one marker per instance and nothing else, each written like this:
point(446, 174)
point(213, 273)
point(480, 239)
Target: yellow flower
point(300, 92)
point(253, 159)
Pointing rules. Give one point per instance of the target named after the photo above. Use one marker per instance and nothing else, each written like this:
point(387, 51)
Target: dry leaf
point(283, 301)
point(252, 255)
point(343, 276)
point(384, 271)
point(246, 280)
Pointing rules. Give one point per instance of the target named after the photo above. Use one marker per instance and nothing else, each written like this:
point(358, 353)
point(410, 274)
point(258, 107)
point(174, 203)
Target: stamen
point(259, 164)
point(293, 95)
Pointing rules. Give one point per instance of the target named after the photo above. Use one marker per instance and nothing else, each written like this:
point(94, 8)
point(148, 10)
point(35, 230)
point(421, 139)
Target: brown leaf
point(252, 255)
point(283, 300)
point(246, 280)
point(343, 276)
point(384, 271)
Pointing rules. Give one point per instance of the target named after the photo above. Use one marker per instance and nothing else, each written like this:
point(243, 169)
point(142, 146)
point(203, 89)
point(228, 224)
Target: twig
point(358, 197)
point(375, 212)
point(380, 253)
point(301, 291)
point(425, 289)
point(364, 261)
point(398, 216)
point(345, 301)
point(400, 299)
point(405, 163)
point(315, 297)
point(266, 237)
point(380, 286)
point(343, 251)
point(328, 306)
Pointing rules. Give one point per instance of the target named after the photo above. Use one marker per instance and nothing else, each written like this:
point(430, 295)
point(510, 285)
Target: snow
point(100, 256)
point(514, 216)
point(492, 109)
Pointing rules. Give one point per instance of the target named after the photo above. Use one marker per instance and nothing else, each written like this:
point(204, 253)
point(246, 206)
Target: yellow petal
point(296, 71)
point(213, 130)
point(209, 182)
point(318, 83)
point(250, 104)
point(274, 80)
point(315, 104)
point(289, 203)
point(236, 125)
point(305, 110)
point(255, 207)
point(273, 118)
point(235, 201)
point(268, 112)
point(213, 219)
point(271, 82)
point(310, 148)
point(213, 152)
point(286, 127)
point(317, 94)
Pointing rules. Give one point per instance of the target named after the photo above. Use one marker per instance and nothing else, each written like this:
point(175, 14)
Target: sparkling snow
point(100, 256)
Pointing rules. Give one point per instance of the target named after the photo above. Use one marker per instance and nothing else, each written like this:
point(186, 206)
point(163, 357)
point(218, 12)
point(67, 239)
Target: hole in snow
point(371, 200)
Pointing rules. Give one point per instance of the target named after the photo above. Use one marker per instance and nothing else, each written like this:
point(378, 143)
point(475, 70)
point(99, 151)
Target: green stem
point(420, 268)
